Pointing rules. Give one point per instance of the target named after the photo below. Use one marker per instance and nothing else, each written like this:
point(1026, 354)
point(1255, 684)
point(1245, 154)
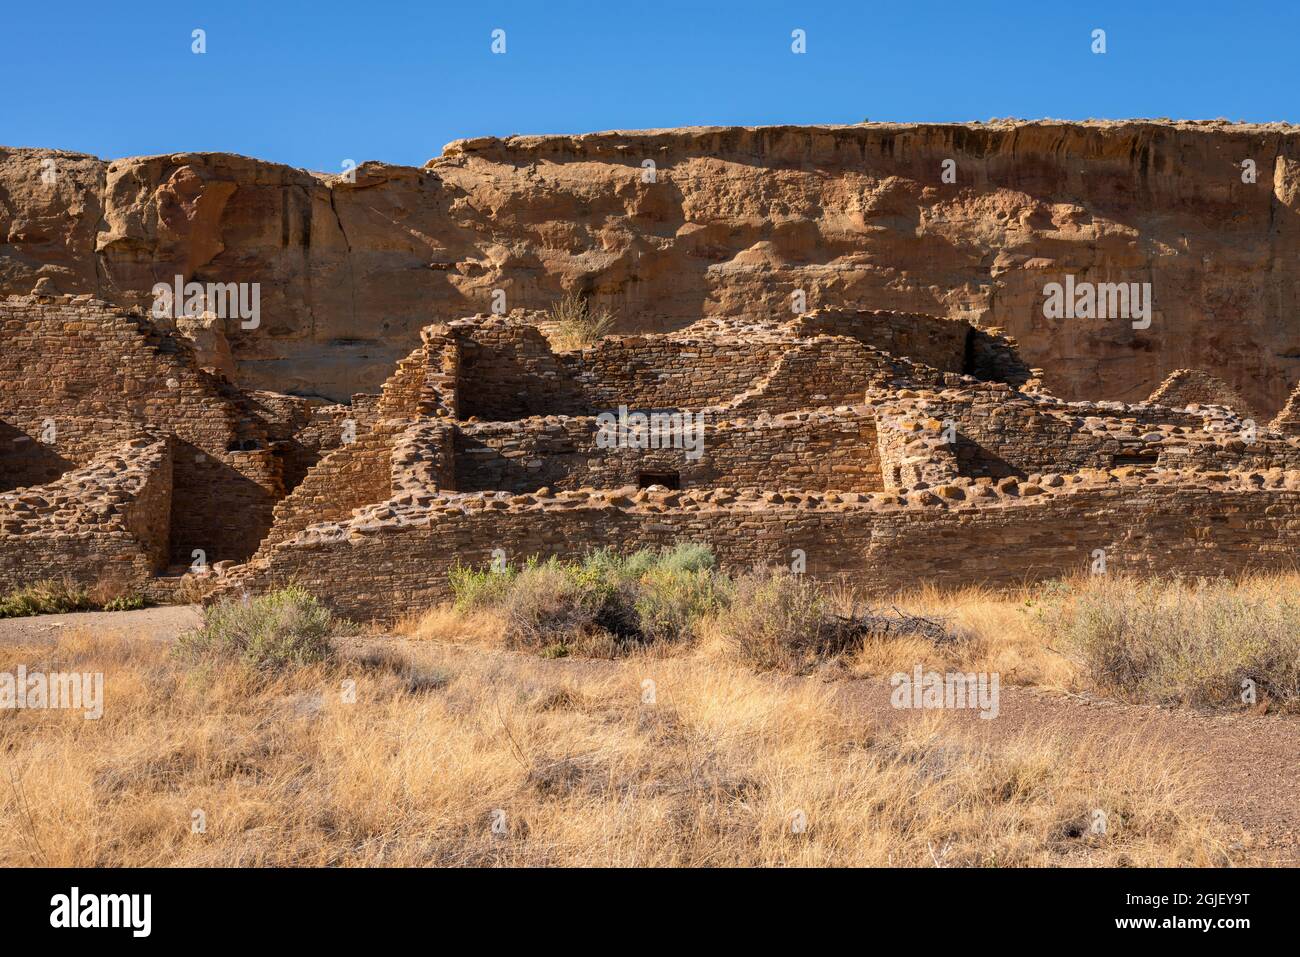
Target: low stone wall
point(393, 559)
point(105, 522)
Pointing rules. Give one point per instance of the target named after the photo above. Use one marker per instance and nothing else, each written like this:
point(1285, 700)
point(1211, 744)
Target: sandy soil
point(153, 624)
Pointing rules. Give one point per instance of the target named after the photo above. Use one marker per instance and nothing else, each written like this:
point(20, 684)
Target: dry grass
point(570, 757)
point(998, 634)
point(1185, 643)
point(1196, 642)
point(574, 324)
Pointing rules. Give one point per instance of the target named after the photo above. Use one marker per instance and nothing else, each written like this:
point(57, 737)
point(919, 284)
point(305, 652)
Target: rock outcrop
point(726, 222)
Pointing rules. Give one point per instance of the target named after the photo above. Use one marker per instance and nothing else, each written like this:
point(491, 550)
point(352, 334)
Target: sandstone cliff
point(732, 222)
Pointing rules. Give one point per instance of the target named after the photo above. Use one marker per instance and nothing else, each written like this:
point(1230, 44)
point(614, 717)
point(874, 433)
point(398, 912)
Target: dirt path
point(154, 624)
point(1250, 764)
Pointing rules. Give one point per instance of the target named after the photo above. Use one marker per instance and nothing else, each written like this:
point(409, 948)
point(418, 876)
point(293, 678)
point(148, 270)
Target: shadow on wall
point(25, 460)
point(215, 508)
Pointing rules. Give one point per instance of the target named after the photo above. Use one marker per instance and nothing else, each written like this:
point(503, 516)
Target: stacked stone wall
point(99, 377)
point(391, 561)
point(106, 522)
point(823, 449)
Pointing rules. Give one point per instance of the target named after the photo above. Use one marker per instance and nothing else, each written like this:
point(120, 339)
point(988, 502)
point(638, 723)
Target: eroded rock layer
point(728, 222)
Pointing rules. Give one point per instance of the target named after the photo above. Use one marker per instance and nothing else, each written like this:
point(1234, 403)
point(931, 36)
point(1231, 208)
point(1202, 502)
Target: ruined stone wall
point(300, 430)
point(347, 478)
point(390, 561)
point(830, 371)
point(102, 376)
point(1000, 432)
point(661, 372)
point(1287, 420)
point(937, 342)
point(1185, 387)
point(507, 370)
point(813, 450)
point(104, 523)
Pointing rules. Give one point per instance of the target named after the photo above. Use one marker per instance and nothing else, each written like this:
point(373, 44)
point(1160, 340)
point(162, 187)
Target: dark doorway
point(666, 479)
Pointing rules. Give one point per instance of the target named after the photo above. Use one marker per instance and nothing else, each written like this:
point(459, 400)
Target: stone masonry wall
point(105, 522)
point(937, 342)
point(507, 370)
point(394, 560)
point(103, 376)
point(823, 449)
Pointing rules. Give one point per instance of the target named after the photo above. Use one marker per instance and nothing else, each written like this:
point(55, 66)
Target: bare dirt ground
point(153, 624)
point(1249, 764)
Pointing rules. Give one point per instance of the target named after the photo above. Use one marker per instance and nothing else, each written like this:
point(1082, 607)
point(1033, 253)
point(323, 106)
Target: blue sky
point(312, 84)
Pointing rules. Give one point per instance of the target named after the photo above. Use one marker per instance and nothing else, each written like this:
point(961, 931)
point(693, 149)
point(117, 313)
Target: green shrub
point(270, 632)
point(51, 597)
point(671, 599)
point(479, 588)
point(125, 603)
point(1172, 642)
point(603, 604)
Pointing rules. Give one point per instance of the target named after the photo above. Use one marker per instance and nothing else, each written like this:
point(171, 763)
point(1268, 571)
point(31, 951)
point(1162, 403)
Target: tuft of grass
point(269, 633)
point(1198, 643)
point(575, 325)
point(52, 597)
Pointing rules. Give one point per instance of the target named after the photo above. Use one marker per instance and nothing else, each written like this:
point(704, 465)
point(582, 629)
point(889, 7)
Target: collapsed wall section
point(104, 523)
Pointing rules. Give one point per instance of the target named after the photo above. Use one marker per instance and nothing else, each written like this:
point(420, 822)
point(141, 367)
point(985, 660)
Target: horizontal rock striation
point(729, 222)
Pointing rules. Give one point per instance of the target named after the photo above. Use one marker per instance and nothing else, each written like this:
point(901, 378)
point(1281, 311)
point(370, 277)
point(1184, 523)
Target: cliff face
point(732, 222)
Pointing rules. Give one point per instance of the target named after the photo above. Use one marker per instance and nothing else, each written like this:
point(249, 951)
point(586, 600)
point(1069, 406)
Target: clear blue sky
point(311, 84)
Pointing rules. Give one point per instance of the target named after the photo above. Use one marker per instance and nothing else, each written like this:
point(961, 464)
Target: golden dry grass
point(1187, 643)
point(570, 758)
point(573, 323)
point(999, 635)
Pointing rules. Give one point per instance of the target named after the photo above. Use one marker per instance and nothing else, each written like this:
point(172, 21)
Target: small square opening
point(667, 479)
point(1135, 458)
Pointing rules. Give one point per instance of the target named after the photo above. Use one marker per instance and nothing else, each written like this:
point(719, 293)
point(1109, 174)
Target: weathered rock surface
point(734, 221)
